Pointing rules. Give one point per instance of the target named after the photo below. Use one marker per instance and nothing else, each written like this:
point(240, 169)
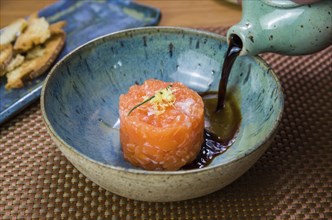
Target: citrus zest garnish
point(160, 100)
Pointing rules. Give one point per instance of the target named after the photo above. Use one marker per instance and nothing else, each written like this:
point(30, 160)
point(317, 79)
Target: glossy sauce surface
point(221, 128)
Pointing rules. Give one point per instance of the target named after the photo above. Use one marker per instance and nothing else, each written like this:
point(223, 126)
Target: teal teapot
point(284, 27)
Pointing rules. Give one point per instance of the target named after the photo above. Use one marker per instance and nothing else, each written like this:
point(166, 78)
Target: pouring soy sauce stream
point(223, 116)
point(233, 51)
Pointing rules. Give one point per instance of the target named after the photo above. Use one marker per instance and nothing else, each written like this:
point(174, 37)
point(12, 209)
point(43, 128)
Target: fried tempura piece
point(37, 32)
point(15, 62)
point(6, 54)
point(56, 28)
point(10, 32)
point(40, 60)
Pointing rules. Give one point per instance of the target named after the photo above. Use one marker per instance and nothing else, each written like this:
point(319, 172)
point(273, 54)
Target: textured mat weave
point(293, 179)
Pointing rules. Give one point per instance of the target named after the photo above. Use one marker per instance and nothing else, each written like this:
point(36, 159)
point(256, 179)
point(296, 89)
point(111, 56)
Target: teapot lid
point(281, 3)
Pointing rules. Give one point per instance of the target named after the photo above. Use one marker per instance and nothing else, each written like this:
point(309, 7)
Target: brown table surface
point(188, 13)
point(292, 180)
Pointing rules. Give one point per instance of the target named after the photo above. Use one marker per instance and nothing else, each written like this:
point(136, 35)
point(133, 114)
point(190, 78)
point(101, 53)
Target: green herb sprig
point(147, 100)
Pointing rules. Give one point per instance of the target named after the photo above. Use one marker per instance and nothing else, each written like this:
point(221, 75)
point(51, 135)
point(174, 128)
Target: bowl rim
point(160, 29)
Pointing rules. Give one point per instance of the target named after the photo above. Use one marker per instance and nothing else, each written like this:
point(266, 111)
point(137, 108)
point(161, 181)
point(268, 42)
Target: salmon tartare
point(161, 125)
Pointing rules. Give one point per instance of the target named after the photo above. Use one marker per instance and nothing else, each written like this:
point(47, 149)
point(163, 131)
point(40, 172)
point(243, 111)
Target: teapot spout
point(242, 32)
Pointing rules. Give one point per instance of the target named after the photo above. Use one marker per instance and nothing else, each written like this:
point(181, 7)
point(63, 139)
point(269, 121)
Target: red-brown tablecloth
point(293, 179)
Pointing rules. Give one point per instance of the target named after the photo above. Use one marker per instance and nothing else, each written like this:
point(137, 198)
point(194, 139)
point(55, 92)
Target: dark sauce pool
point(221, 129)
point(222, 113)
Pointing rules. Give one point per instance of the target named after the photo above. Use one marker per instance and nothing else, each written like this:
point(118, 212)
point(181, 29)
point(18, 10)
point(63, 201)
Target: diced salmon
point(161, 141)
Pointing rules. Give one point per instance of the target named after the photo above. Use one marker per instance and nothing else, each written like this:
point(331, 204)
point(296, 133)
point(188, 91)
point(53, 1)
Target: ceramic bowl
point(80, 107)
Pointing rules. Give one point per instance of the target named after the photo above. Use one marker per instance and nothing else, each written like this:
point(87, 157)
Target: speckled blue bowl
point(80, 107)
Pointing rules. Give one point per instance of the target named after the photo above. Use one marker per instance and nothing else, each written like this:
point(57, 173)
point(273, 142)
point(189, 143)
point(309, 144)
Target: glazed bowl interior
point(80, 96)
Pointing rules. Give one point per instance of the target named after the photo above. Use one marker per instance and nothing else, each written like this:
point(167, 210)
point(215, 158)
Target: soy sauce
point(222, 113)
point(221, 128)
point(233, 51)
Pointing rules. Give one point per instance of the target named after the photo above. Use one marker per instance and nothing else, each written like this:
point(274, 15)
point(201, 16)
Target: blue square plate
point(86, 20)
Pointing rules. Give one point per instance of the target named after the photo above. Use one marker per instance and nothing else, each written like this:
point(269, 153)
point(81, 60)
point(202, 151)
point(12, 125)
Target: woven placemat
point(293, 179)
